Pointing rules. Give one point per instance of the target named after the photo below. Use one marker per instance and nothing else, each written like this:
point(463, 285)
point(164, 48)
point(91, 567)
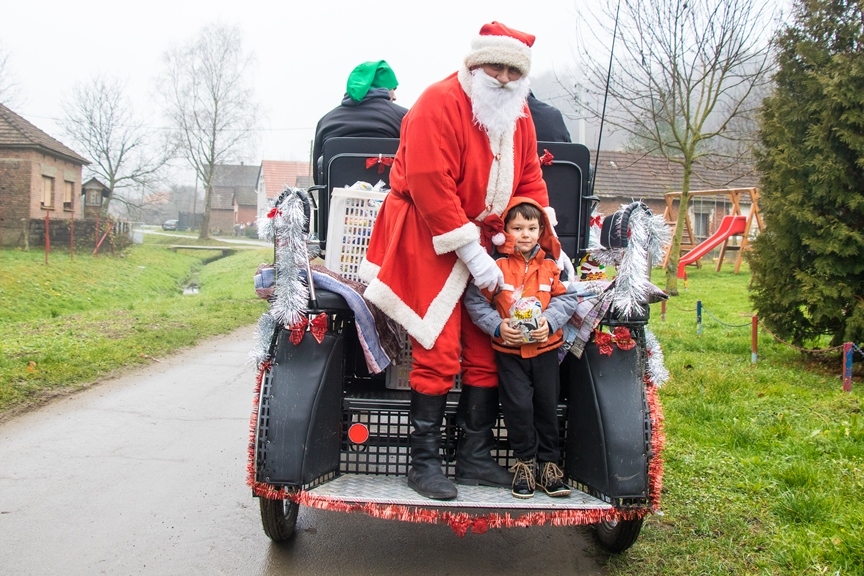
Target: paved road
point(145, 474)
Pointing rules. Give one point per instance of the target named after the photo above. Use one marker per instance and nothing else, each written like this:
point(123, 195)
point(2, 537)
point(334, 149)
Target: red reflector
point(358, 433)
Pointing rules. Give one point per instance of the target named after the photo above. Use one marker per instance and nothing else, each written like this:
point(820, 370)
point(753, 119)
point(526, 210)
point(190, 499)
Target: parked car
point(171, 225)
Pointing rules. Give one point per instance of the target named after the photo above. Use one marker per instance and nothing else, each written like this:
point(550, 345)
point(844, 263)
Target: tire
point(278, 517)
point(615, 536)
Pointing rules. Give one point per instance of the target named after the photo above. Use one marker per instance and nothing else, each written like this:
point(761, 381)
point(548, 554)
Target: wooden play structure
point(733, 224)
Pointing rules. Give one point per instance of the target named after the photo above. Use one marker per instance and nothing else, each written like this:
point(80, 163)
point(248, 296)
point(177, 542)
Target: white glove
point(565, 265)
point(487, 275)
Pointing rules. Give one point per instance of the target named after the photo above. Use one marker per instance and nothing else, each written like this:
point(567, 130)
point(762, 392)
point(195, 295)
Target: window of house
point(47, 192)
point(93, 197)
point(68, 194)
point(701, 225)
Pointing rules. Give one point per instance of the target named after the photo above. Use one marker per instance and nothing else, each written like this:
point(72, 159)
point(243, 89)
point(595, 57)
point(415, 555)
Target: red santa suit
point(448, 176)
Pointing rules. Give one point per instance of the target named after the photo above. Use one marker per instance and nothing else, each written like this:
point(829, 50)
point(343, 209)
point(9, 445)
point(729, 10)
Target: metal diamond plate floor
point(395, 490)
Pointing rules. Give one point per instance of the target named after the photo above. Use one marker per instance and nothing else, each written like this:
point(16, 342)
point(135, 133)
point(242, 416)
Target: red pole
point(847, 366)
point(47, 236)
point(754, 339)
point(663, 311)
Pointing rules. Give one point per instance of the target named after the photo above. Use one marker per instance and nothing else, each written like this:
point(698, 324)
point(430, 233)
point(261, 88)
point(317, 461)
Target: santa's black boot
point(425, 476)
point(477, 414)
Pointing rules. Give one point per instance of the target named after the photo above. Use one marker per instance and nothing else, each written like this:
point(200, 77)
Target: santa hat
point(498, 44)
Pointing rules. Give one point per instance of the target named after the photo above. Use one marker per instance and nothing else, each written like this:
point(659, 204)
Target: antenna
point(605, 98)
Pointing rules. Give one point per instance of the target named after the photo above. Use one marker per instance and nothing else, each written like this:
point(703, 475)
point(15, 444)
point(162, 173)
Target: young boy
point(525, 320)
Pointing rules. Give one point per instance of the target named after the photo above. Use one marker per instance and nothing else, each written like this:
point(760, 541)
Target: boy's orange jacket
point(538, 276)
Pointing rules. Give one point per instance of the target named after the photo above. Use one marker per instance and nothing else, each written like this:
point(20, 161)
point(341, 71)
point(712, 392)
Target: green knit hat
point(370, 75)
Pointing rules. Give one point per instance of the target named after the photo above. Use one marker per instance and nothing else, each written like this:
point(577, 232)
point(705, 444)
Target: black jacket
point(373, 117)
point(548, 121)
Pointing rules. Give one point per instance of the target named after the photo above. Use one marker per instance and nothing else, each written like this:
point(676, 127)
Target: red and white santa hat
point(499, 44)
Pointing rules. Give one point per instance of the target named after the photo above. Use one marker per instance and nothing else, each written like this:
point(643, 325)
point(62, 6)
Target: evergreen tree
point(808, 265)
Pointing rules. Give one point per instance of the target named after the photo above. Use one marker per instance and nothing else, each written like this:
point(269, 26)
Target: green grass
point(764, 463)
point(70, 322)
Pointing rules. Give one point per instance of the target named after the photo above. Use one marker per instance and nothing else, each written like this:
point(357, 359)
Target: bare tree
point(209, 103)
point(685, 76)
point(10, 93)
point(99, 118)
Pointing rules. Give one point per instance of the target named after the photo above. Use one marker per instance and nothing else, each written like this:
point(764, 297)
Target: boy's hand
point(541, 334)
point(510, 336)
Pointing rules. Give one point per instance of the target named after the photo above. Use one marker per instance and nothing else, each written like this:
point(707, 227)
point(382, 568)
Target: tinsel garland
point(285, 224)
point(461, 522)
point(657, 372)
point(648, 234)
point(658, 442)
point(264, 332)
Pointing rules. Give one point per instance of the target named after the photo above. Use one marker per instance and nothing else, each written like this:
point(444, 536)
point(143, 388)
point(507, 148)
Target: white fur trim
point(498, 239)
point(454, 239)
point(500, 186)
point(509, 287)
point(425, 330)
point(544, 288)
point(553, 218)
point(499, 50)
point(367, 271)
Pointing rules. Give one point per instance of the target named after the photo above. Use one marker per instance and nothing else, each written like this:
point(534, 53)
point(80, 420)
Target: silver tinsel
point(657, 371)
point(290, 294)
point(264, 332)
point(648, 234)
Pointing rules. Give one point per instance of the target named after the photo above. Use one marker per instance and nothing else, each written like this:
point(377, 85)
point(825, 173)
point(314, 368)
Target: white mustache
point(494, 83)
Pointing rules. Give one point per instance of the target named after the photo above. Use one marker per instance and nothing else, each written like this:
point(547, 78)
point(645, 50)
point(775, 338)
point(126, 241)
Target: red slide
point(730, 226)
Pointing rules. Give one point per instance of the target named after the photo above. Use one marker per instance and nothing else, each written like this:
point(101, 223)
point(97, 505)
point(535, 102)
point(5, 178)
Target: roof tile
point(16, 132)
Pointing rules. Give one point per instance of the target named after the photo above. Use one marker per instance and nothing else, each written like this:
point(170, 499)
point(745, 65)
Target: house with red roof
point(39, 176)
point(275, 176)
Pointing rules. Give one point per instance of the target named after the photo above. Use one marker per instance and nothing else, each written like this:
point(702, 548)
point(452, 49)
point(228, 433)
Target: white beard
point(497, 106)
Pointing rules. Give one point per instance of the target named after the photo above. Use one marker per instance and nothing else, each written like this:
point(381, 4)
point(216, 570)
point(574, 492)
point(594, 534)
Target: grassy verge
point(68, 323)
point(764, 463)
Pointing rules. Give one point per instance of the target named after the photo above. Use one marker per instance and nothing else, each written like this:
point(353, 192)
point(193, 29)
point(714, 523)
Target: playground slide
point(730, 226)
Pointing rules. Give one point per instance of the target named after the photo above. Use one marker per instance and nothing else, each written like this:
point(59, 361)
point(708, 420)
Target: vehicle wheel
point(278, 517)
point(617, 536)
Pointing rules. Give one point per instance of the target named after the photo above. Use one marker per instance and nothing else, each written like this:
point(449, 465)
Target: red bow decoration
point(620, 336)
point(489, 227)
point(273, 212)
point(596, 221)
point(318, 327)
point(382, 162)
point(623, 339)
point(547, 158)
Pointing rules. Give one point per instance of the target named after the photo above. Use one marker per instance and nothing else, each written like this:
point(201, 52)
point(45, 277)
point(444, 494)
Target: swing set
point(733, 224)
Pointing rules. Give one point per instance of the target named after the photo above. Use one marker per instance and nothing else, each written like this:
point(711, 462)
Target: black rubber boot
point(477, 414)
point(425, 476)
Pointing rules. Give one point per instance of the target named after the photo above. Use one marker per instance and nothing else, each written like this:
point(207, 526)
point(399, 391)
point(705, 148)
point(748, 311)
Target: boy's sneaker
point(552, 480)
point(523, 480)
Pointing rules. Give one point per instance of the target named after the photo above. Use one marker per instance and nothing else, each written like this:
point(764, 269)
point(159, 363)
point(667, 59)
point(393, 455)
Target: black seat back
point(344, 163)
point(569, 193)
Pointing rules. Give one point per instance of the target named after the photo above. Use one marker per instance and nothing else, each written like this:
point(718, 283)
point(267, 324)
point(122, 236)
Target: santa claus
point(466, 147)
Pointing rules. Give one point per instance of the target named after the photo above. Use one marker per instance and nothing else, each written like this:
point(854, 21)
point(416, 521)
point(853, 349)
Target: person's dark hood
point(373, 93)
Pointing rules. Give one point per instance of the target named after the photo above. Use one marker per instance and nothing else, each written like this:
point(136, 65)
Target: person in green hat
point(367, 109)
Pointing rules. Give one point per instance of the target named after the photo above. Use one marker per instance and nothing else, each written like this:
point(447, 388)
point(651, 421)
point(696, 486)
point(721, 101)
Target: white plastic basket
point(353, 212)
point(349, 227)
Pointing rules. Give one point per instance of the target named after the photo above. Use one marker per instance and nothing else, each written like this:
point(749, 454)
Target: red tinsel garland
point(461, 522)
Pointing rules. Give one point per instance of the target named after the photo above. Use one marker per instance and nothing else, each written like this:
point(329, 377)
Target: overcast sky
point(304, 51)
